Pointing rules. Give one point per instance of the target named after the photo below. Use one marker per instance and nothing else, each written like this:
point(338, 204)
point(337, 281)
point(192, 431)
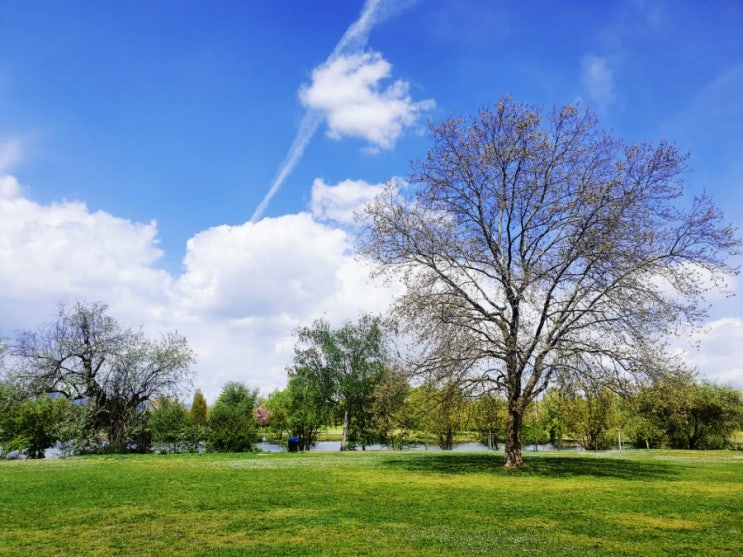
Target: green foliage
point(197, 430)
point(30, 426)
point(199, 410)
point(489, 417)
point(342, 368)
point(169, 423)
point(86, 355)
point(586, 413)
point(689, 415)
point(442, 410)
point(305, 408)
point(231, 424)
point(534, 428)
point(553, 415)
point(277, 405)
point(391, 422)
point(77, 430)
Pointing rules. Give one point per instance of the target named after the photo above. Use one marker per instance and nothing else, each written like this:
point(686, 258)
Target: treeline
point(87, 384)
point(681, 414)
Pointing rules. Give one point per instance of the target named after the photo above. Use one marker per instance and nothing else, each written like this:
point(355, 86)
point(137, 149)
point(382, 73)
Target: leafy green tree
point(535, 431)
point(306, 406)
point(691, 415)
point(592, 417)
point(444, 411)
point(390, 418)
point(199, 409)
point(554, 416)
point(86, 355)
point(550, 247)
point(637, 429)
point(198, 422)
point(169, 422)
point(277, 405)
point(76, 432)
point(489, 416)
point(231, 424)
point(346, 365)
point(717, 412)
point(29, 426)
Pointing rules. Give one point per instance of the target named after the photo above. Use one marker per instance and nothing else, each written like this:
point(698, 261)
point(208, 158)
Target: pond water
point(332, 446)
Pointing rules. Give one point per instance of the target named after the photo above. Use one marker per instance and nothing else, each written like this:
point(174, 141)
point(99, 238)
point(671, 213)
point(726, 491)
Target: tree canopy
point(538, 246)
point(232, 427)
point(343, 366)
point(86, 356)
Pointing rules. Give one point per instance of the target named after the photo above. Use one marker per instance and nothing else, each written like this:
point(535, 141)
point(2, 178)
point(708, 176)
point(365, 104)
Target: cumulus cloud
point(246, 288)
point(63, 250)
point(341, 202)
point(279, 265)
point(598, 80)
point(351, 91)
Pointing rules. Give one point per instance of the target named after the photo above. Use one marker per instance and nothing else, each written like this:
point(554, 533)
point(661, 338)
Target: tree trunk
point(513, 436)
point(344, 438)
point(117, 436)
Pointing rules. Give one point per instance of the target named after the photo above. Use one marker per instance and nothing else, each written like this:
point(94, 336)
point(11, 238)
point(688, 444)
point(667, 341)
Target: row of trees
point(345, 376)
point(676, 413)
point(386, 407)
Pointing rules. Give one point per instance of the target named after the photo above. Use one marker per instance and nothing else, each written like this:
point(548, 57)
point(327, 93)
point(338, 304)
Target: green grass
point(649, 503)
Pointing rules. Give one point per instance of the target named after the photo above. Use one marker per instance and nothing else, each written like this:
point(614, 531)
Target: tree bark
point(513, 436)
point(344, 438)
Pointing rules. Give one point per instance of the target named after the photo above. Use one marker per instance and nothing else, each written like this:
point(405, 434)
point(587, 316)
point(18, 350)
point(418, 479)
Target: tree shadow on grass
point(548, 466)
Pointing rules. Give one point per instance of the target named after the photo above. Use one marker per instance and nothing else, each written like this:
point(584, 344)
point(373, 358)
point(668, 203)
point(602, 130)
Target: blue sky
point(137, 140)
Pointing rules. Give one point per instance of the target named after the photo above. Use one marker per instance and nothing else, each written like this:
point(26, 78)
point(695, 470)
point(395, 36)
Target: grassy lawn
point(414, 503)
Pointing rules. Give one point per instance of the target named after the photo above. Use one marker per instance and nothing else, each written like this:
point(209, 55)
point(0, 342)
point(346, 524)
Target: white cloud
point(246, 288)
point(243, 291)
point(598, 80)
point(348, 90)
point(341, 202)
point(64, 251)
point(719, 356)
point(280, 265)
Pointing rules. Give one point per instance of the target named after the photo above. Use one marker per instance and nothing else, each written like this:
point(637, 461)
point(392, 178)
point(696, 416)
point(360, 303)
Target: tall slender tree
point(199, 409)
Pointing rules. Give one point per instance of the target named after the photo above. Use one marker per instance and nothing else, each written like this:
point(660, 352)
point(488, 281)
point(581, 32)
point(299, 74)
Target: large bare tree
point(538, 246)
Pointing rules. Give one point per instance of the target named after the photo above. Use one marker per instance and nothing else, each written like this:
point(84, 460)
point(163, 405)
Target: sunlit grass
point(417, 503)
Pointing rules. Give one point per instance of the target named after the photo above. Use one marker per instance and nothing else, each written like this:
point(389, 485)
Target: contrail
point(352, 40)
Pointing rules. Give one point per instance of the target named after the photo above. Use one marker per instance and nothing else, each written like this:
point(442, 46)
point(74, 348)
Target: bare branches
point(546, 244)
point(86, 354)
